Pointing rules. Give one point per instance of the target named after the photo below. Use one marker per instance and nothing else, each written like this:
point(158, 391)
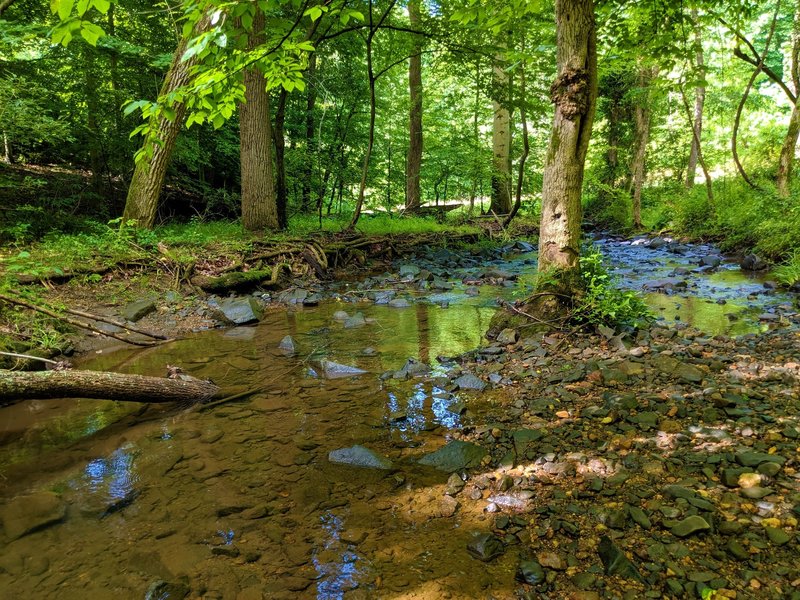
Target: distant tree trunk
point(414, 160)
point(574, 93)
point(786, 160)
point(642, 115)
point(311, 100)
point(141, 205)
point(259, 205)
point(699, 102)
point(501, 139)
point(282, 191)
point(476, 171)
point(526, 145)
point(92, 109)
point(6, 149)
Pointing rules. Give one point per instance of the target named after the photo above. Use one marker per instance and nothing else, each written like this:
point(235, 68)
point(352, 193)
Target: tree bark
point(786, 160)
point(414, 159)
point(699, 102)
point(141, 205)
point(311, 150)
point(501, 138)
point(42, 385)
point(574, 93)
point(280, 158)
point(259, 206)
point(642, 115)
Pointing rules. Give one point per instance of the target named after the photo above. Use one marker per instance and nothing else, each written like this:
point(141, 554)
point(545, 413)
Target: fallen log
point(44, 385)
point(238, 281)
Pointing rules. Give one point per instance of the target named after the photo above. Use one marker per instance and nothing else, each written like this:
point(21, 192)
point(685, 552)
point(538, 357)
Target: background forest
point(696, 121)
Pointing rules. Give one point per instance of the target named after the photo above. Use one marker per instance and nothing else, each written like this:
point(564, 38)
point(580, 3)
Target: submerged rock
point(485, 547)
point(359, 456)
point(27, 514)
point(162, 590)
point(530, 572)
point(454, 456)
point(334, 370)
point(288, 345)
point(690, 525)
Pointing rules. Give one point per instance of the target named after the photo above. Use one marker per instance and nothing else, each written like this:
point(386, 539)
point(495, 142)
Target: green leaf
point(83, 5)
point(91, 32)
point(64, 8)
point(102, 5)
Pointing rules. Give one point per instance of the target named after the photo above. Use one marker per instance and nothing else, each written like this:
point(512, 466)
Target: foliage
point(788, 273)
point(602, 303)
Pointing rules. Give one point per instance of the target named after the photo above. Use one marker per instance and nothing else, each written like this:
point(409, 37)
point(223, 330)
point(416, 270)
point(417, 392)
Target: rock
point(333, 370)
point(753, 262)
point(138, 310)
point(736, 550)
point(508, 336)
point(288, 345)
point(615, 562)
point(485, 547)
point(240, 311)
point(340, 315)
point(756, 492)
point(710, 261)
point(468, 381)
point(409, 270)
point(448, 506)
point(551, 560)
point(690, 525)
point(359, 456)
point(454, 456)
point(777, 536)
point(753, 459)
point(689, 373)
point(27, 514)
point(162, 590)
point(530, 572)
point(293, 296)
point(399, 303)
point(357, 320)
point(413, 368)
point(639, 517)
point(454, 485)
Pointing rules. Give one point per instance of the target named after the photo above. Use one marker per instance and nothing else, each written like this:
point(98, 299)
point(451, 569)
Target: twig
point(29, 357)
point(115, 322)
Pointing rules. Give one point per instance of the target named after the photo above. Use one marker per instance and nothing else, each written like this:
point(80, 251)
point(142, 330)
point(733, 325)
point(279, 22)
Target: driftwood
point(43, 385)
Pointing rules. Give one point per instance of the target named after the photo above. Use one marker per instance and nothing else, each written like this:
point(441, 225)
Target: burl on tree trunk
point(43, 385)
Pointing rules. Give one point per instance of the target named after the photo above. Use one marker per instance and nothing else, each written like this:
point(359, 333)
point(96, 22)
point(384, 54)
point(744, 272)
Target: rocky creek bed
point(386, 457)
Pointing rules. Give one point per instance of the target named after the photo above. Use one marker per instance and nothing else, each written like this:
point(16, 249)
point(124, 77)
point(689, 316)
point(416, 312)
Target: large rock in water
point(26, 514)
point(241, 311)
point(753, 262)
point(456, 455)
point(359, 456)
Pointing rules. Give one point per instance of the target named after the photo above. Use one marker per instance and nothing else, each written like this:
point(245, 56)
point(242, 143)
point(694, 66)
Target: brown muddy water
point(240, 501)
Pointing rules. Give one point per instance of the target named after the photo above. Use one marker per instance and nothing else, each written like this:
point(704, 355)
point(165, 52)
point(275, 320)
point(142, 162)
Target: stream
point(241, 501)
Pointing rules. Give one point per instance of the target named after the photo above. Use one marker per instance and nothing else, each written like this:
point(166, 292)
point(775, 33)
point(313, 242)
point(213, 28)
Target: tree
point(642, 114)
point(699, 100)
point(786, 161)
point(501, 135)
point(259, 207)
point(574, 93)
point(414, 159)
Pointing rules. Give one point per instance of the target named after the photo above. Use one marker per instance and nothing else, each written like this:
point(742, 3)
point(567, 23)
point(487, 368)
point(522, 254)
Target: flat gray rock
point(138, 310)
point(470, 382)
point(359, 456)
point(456, 455)
point(333, 370)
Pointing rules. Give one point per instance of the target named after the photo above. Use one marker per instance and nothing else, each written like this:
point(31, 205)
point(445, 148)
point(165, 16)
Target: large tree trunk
point(574, 93)
point(414, 160)
point(141, 205)
point(699, 102)
point(22, 385)
point(501, 139)
point(641, 116)
point(280, 158)
point(259, 207)
point(786, 160)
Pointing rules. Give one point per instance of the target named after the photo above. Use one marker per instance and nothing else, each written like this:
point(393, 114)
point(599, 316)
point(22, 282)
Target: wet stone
point(288, 345)
point(753, 459)
point(777, 536)
point(615, 562)
point(399, 303)
point(162, 590)
point(530, 572)
point(639, 517)
point(334, 370)
point(690, 525)
point(454, 485)
point(485, 547)
point(455, 456)
point(470, 382)
point(359, 456)
point(736, 550)
point(135, 311)
point(240, 311)
point(507, 336)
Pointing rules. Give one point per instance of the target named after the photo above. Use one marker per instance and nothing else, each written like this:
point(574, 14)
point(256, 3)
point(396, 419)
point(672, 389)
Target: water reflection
point(336, 563)
point(421, 406)
point(113, 476)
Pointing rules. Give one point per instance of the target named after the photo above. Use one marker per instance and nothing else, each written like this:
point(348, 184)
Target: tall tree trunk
point(501, 138)
point(92, 109)
point(141, 205)
point(6, 149)
point(786, 160)
point(414, 159)
point(311, 152)
point(259, 206)
point(641, 117)
point(280, 158)
point(476, 170)
point(699, 101)
point(574, 93)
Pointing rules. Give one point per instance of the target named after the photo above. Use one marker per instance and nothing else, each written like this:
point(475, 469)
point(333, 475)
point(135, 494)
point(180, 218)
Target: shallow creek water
point(240, 501)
